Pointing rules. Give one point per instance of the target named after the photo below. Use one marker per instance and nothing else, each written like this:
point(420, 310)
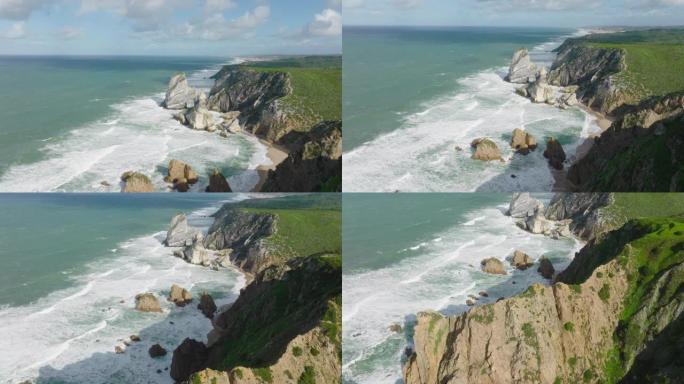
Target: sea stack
point(179, 94)
point(521, 70)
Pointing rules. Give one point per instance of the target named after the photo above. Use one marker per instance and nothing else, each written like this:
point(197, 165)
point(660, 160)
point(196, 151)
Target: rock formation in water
point(218, 182)
point(179, 94)
point(135, 182)
point(180, 233)
point(521, 70)
point(522, 205)
point(523, 142)
point(207, 305)
point(485, 149)
point(147, 302)
point(521, 260)
point(554, 153)
point(314, 162)
point(181, 175)
point(618, 300)
point(493, 265)
point(196, 253)
point(179, 296)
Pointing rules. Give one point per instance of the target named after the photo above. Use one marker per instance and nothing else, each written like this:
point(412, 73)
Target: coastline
point(275, 153)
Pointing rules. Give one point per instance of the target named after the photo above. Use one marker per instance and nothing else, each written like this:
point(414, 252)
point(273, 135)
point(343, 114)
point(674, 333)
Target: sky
point(170, 27)
point(542, 13)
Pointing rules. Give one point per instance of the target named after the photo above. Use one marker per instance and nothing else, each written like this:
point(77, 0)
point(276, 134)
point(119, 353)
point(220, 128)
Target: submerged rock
point(135, 182)
point(554, 153)
point(188, 358)
point(147, 302)
point(521, 70)
point(179, 95)
point(485, 149)
point(521, 260)
point(217, 182)
point(156, 351)
point(396, 328)
point(207, 305)
point(493, 265)
point(180, 233)
point(179, 296)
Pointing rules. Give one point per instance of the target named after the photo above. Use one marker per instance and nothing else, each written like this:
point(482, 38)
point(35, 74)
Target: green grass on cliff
point(654, 58)
point(316, 83)
point(639, 205)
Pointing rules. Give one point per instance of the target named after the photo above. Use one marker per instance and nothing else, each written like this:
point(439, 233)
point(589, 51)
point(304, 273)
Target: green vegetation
point(297, 351)
point(572, 361)
point(576, 288)
point(641, 205)
point(488, 317)
point(332, 322)
point(604, 292)
point(316, 83)
point(654, 59)
point(529, 292)
point(314, 352)
point(264, 374)
point(569, 326)
point(238, 373)
point(588, 375)
point(308, 376)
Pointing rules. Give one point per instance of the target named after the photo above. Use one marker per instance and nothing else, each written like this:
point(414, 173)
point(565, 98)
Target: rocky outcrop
point(196, 253)
point(179, 296)
point(546, 268)
point(486, 150)
point(181, 175)
point(179, 94)
point(554, 153)
point(207, 305)
point(520, 260)
point(180, 234)
point(244, 233)
point(189, 357)
point(577, 330)
point(314, 163)
point(147, 302)
point(521, 69)
point(135, 182)
point(255, 95)
point(523, 205)
point(493, 265)
point(585, 211)
point(201, 119)
point(218, 182)
point(523, 142)
point(156, 351)
point(538, 223)
point(641, 151)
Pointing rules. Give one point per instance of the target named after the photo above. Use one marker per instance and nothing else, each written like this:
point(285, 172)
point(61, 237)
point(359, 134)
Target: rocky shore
point(599, 321)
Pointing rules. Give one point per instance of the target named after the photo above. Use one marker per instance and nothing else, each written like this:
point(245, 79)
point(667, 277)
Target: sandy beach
point(277, 155)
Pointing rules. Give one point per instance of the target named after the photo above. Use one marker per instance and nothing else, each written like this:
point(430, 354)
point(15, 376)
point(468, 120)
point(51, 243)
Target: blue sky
point(548, 13)
point(170, 27)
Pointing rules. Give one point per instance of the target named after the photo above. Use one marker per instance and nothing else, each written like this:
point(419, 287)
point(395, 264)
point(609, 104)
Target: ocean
point(406, 253)
point(411, 95)
point(72, 265)
point(70, 123)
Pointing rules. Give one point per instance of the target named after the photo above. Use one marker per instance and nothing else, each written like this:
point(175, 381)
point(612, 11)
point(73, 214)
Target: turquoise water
point(405, 253)
point(413, 94)
point(72, 265)
point(70, 123)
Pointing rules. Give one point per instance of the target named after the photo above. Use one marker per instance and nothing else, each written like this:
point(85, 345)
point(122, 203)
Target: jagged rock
point(554, 153)
point(493, 265)
point(231, 122)
point(396, 328)
point(523, 205)
point(179, 296)
point(179, 171)
point(188, 358)
point(197, 254)
point(217, 182)
point(135, 338)
point(523, 142)
point(546, 268)
point(521, 70)
point(147, 302)
point(541, 92)
point(135, 182)
point(119, 349)
point(200, 119)
point(483, 294)
point(470, 303)
point(179, 95)
point(180, 233)
point(156, 351)
point(585, 211)
point(521, 260)
point(485, 149)
point(207, 305)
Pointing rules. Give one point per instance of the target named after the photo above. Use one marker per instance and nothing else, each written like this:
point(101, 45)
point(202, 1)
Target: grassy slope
point(654, 58)
point(316, 83)
point(639, 205)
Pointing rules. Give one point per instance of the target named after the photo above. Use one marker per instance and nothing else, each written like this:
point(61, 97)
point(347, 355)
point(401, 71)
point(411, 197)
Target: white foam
point(437, 276)
point(420, 154)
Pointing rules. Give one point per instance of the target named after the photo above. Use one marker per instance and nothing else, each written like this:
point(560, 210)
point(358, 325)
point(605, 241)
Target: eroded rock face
point(493, 265)
point(554, 153)
point(585, 212)
point(135, 182)
point(486, 150)
point(197, 254)
point(523, 205)
point(179, 171)
point(180, 234)
point(200, 119)
point(521, 70)
point(179, 94)
point(523, 142)
point(217, 182)
point(179, 296)
point(207, 305)
point(521, 260)
point(147, 302)
point(188, 358)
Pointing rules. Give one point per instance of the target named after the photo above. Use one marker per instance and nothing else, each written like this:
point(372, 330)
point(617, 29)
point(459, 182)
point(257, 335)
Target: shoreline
point(274, 152)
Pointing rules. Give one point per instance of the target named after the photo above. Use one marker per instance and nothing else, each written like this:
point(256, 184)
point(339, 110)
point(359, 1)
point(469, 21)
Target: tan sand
point(277, 155)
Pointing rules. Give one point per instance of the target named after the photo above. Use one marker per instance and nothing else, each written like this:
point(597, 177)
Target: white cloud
point(216, 27)
point(68, 33)
point(218, 5)
point(326, 23)
point(15, 31)
point(21, 9)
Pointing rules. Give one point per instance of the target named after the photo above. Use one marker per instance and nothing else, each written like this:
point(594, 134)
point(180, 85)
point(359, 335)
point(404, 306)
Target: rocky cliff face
point(598, 323)
point(255, 94)
point(641, 151)
point(593, 70)
point(585, 211)
point(284, 326)
point(244, 233)
point(314, 163)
